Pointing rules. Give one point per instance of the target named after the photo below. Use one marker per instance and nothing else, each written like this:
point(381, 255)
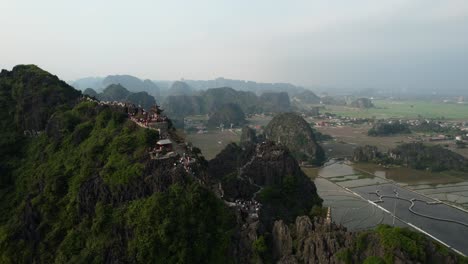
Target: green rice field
point(404, 109)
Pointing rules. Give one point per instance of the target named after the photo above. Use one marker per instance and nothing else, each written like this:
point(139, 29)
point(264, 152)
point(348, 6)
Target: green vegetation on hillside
point(179, 88)
point(387, 129)
point(414, 155)
point(396, 244)
point(226, 115)
point(295, 133)
point(85, 191)
point(132, 83)
point(28, 97)
point(119, 93)
point(48, 220)
point(423, 157)
point(212, 99)
point(285, 195)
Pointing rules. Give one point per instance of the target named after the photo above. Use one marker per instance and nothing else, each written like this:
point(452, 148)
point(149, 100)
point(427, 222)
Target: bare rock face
point(158, 177)
point(288, 260)
point(271, 164)
point(91, 191)
point(268, 174)
point(317, 241)
point(282, 241)
point(292, 131)
point(248, 136)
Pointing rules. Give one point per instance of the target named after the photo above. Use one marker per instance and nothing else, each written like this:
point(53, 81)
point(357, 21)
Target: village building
point(438, 138)
point(164, 144)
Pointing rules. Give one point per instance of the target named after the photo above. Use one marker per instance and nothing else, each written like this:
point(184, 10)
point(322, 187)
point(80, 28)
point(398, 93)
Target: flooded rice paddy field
point(449, 187)
point(364, 195)
point(351, 211)
point(444, 222)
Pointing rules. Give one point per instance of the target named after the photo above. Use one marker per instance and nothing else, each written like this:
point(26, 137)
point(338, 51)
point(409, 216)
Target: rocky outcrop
point(320, 242)
point(114, 92)
point(266, 173)
point(366, 154)
point(388, 128)
point(263, 183)
point(414, 155)
point(317, 241)
point(35, 95)
point(179, 88)
point(92, 191)
point(275, 102)
point(248, 136)
point(307, 97)
point(91, 92)
point(226, 116)
point(292, 131)
point(183, 105)
point(141, 98)
point(119, 93)
point(282, 240)
point(133, 84)
point(214, 98)
point(362, 103)
point(158, 176)
point(244, 85)
point(435, 158)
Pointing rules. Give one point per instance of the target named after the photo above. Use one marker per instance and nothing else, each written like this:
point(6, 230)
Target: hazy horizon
point(397, 44)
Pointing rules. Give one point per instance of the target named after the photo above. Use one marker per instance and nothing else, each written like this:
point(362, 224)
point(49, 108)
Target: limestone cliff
point(292, 131)
point(317, 241)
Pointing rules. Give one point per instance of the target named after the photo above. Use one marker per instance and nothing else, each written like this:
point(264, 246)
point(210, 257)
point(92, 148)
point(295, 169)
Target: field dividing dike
point(396, 217)
point(413, 191)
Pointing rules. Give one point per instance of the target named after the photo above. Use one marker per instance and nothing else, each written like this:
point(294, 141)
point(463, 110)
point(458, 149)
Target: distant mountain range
point(132, 83)
point(211, 100)
point(242, 85)
point(116, 92)
point(158, 88)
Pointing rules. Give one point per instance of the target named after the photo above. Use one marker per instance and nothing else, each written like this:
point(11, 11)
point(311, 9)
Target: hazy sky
point(339, 43)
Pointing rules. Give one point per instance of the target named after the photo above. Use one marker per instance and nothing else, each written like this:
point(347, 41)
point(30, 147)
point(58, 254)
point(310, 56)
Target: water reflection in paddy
point(350, 210)
point(450, 187)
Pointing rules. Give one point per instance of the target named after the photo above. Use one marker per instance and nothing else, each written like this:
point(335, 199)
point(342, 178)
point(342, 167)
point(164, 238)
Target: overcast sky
point(340, 43)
